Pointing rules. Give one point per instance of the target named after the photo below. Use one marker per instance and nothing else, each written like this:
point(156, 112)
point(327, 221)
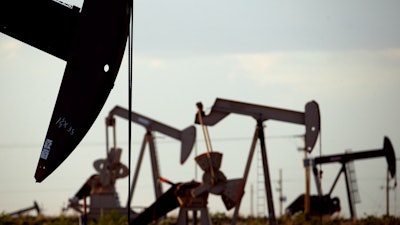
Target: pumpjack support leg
point(183, 218)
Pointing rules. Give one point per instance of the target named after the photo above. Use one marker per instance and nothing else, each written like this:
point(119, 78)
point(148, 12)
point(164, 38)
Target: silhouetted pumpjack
point(332, 205)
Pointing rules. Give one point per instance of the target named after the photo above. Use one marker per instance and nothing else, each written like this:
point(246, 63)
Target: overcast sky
point(343, 54)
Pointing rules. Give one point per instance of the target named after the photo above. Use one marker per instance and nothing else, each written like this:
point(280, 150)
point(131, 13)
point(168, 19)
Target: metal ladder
point(260, 188)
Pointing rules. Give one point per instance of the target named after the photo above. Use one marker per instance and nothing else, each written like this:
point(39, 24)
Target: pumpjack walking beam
point(310, 118)
point(47, 25)
point(186, 136)
point(21, 211)
point(93, 58)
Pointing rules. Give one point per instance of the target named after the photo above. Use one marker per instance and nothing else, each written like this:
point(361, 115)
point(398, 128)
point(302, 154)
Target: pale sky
point(343, 54)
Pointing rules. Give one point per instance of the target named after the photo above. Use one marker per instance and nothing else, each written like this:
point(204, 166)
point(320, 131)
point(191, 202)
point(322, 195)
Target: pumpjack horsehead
point(92, 41)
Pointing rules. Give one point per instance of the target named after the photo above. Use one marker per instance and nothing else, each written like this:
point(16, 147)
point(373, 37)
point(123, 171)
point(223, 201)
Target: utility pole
point(387, 193)
point(251, 201)
point(281, 199)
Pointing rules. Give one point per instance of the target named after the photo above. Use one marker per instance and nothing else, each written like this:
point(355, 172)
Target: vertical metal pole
point(271, 211)
point(307, 194)
point(114, 135)
point(251, 201)
point(387, 193)
point(280, 193)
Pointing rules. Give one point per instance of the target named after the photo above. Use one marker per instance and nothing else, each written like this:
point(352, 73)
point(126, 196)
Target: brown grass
point(217, 219)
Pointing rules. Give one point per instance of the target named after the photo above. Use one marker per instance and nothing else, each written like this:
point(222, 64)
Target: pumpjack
point(310, 118)
point(192, 196)
point(325, 204)
point(100, 187)
point(35, 207)
point(186, 136)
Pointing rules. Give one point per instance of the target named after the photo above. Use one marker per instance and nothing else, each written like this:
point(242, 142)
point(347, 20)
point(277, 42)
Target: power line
point(163, 139)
